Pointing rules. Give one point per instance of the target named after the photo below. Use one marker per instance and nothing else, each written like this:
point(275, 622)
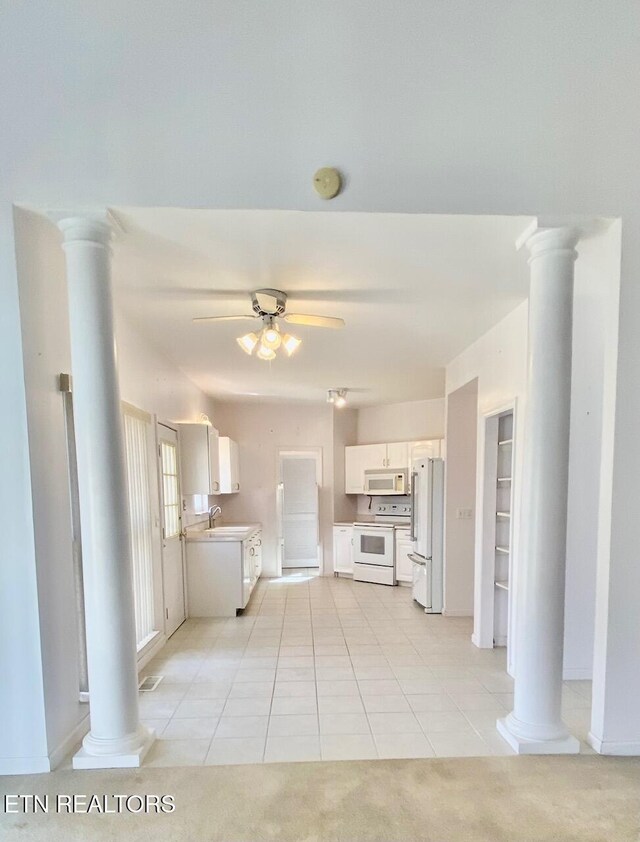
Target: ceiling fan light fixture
point(265, 353)
point(271, 337)
point(247, 342)
point(290, 343)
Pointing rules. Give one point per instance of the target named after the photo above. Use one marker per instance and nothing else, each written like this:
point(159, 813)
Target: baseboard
point(614, 748)
point(67, 745)
point(458, 612)
point(475, 639)
point(24, 765)
point(577, 674)
point(147, 654)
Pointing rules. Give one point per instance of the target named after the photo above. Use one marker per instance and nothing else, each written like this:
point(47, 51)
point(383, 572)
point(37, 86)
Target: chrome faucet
point(214, 511)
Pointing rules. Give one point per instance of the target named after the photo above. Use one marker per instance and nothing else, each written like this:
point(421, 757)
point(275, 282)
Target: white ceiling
point(414, 291)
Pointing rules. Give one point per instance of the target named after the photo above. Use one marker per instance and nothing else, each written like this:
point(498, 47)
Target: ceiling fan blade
point(314, 321)
point(223, 318)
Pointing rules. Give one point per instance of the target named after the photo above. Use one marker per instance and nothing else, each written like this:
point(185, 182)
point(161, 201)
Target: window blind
point(136, 433)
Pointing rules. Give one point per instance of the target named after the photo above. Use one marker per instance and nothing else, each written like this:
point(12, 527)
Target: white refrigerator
point(427, 526)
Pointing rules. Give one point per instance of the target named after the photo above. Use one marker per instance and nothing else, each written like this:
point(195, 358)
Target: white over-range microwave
point(386, 482)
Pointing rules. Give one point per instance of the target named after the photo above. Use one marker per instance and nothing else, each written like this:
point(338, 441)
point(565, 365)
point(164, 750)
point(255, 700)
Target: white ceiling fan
point(268, 306)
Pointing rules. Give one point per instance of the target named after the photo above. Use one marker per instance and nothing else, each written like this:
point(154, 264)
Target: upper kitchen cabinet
point(370, 457)
point(199, 459)
point(434, 448)
point(397, 454)
point(357, 460)
point(229, 466)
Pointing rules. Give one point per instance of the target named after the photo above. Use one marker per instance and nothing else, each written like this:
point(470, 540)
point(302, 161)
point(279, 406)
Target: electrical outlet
point(464, 514)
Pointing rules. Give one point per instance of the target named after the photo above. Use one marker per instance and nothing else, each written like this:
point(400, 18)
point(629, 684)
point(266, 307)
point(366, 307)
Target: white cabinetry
point(199, 459)
point(229, 466)
point(221, 575)
point(353, 471)
point(357, 460)
point(397, 454)
point(404, 547)
point(433, 447)
point(370, 457)
point(343, 550)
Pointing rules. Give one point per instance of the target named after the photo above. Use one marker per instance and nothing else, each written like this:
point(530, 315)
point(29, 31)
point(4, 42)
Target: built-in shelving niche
point(504, 497)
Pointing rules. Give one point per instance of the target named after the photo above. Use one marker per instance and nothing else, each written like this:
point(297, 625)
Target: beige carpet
point(459, 800)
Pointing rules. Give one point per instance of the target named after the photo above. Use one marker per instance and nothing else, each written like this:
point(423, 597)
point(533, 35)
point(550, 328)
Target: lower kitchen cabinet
point(343, 549)
point(404, 547)
point(221, 575)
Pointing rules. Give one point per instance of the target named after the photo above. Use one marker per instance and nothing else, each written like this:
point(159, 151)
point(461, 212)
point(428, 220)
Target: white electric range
point(374, 543)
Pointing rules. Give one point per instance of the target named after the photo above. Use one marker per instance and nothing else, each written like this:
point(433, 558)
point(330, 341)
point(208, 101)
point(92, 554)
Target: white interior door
point(299, 528)
point(172, 540)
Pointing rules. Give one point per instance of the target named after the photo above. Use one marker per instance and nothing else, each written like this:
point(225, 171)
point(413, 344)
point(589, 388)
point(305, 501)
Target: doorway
point(299, 481)
point(172, 534)
point(494, 586)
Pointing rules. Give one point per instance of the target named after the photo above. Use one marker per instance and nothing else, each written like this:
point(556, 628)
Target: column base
point(563, 745)
point(126, 759)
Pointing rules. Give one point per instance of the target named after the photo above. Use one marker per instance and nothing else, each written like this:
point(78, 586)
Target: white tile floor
point(329, 669)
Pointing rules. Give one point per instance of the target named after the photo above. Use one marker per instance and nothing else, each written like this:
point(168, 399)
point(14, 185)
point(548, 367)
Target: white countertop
point(219, 534)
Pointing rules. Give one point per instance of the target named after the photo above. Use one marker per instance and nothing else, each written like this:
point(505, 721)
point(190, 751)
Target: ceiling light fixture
point(265, 353)
point(290, 343)
point(267, 342)
point(247, 342)
point(338, 397)
point(271, 336)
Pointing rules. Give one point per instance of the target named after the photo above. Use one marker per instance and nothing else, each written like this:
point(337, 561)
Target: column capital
point(542, 236)
point(545, 240)
point(92, 228)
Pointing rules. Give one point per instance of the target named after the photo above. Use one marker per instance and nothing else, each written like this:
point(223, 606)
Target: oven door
point(373, 545)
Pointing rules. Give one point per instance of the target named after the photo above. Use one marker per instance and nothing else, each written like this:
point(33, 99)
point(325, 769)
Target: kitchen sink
point(218, 530)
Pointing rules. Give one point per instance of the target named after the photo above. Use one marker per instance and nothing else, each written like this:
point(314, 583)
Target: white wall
point(568, 145)
point(260, 429)
point(45, 327)
point(498, 359)
point(23, 735)
point(596, 283)
point(345, 433)
point(148, 381)
point(408, 421)
point(460, 493)
point(151, 382)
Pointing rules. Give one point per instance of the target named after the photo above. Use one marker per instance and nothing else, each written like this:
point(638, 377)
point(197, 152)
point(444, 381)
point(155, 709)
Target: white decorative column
point(116, 737)
point(535, 725)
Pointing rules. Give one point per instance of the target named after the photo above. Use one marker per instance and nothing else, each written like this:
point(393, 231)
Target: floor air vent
point(150, 683)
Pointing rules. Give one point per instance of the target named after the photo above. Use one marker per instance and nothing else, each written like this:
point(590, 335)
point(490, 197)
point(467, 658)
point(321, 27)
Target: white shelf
point(503, 514)
point(505, 442)
point(504, 479)
point(503, 585)
point(504, 550)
